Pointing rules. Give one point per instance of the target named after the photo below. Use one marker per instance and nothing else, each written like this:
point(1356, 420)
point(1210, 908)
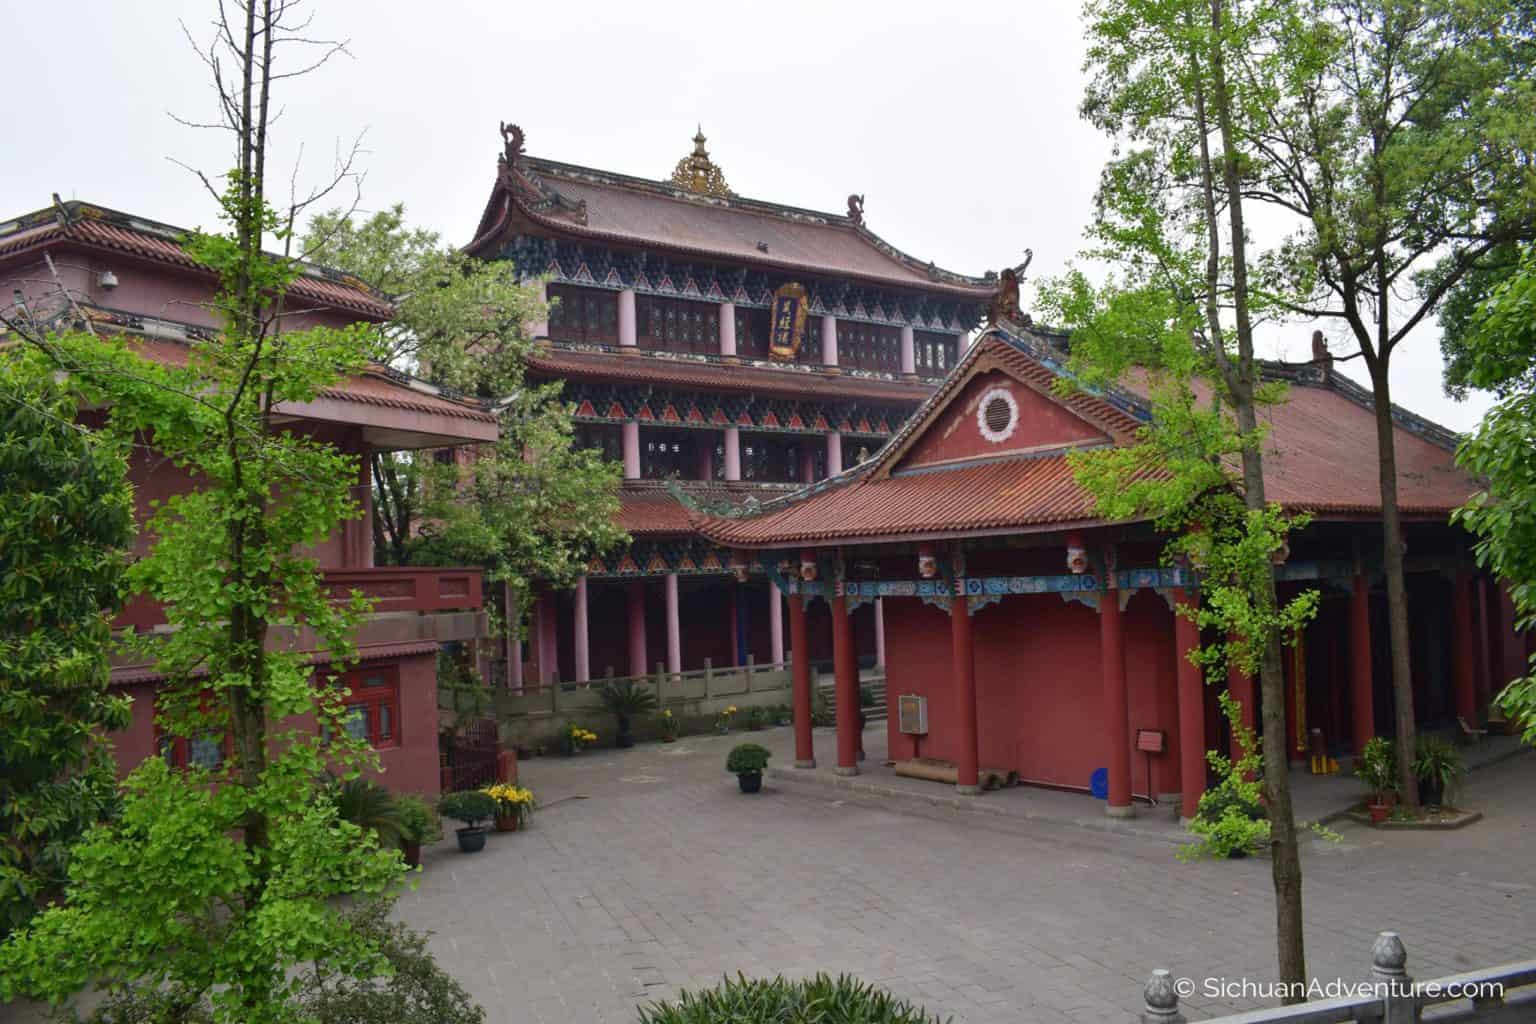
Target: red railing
point(392, 588)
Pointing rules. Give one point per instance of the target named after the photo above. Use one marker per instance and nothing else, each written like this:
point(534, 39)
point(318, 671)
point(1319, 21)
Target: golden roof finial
point(698, 173)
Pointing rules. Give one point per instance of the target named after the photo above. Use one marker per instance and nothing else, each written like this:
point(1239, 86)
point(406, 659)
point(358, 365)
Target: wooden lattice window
point(371, 711)
point(863, 346)
point(677, 325)
point(935, 353)
point(588, 315)
point(752, 333)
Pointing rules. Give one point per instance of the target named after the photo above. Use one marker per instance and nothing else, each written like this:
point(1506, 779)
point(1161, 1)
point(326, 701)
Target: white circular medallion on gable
point(997, 415)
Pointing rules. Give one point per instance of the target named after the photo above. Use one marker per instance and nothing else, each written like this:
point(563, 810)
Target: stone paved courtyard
point(647, 871)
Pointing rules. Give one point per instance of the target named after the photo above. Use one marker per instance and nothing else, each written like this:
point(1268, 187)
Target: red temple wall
point(409, 767)
point(956, 436)
point(1039, 688)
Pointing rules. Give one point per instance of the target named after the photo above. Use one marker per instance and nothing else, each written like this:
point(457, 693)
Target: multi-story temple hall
point(1025, 634)
point(726, 350)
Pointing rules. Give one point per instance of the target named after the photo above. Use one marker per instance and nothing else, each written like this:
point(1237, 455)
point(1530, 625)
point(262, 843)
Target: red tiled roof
point(1320, 456)
point(124, 675)
point(626, 210)
point(1009, 493)
point(94, 228)
point(653, 513)
point(374, 386)
point(555, 361)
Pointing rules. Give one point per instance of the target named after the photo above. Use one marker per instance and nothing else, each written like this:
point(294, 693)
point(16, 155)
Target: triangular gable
point(953, 428)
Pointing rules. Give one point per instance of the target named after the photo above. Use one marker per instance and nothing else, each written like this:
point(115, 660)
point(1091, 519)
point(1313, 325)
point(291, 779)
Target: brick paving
point(646, 871)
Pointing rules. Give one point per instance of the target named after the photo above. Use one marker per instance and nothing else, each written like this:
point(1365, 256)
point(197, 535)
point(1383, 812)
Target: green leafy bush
point(1231, 817)
point(369, 805)
point(1438, 761)
point(418, 821)
point(747, 759)
point(1377, 767)
point(818, 1000)
point(467, 805)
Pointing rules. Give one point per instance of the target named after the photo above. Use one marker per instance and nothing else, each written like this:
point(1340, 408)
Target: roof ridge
point(72, 213)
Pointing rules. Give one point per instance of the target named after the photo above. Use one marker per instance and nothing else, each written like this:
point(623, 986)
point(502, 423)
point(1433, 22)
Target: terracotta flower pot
point(411, 850)
point(509, 823)
point(1378, 812)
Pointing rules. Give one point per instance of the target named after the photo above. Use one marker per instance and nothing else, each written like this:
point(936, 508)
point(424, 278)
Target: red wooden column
point(845, 668)
point(1362, 699)
point(1186, 639)
point(1485, 638)
point(968, 779)
point(1117, 730)
point(800, 665)
point(636, 596)
point(1464, 653)
point(1240, 686)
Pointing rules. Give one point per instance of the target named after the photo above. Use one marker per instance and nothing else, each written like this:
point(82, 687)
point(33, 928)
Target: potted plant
point(514, 805)
point(471, 807)
point(723, 720)
point(369, 806)
point(668, 726)
point(418, 825)
point(1375, 768)
point(757, 718)
point(1437, 766)
point(574, 738)
point(747, 761)
point(624, 700)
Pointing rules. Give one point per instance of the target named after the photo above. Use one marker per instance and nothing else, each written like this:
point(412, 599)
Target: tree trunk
point(1397, 591)
point(1285, 857)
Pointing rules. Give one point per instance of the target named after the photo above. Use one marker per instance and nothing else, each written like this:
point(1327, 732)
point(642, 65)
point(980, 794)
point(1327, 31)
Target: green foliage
point(471, 806)
point(1439, 761)
point(66, 520)
point(217, 884)
point(818, 1000)
point(409, 987)
point(1377, 767)
point(418, 820)
point(532, 508)
point(172, 896)
point(1501, 356)
point(370, 807)
point(1231, 816)
point(404, 986)
point(747, 759)
point(626, 699)
point(460, 690)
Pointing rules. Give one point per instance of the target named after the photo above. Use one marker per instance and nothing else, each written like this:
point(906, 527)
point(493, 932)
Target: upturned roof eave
point(497, 216)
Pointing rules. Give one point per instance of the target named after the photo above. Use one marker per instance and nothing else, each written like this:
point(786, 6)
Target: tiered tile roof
point(1320, 456)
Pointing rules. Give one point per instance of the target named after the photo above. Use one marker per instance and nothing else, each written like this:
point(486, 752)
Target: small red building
point(1064, 645)
point(127, 274)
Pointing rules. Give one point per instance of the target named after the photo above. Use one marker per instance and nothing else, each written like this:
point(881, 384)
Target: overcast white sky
point(957, 121)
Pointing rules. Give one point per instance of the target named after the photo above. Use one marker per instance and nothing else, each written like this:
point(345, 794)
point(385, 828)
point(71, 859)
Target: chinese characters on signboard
point(786, 331)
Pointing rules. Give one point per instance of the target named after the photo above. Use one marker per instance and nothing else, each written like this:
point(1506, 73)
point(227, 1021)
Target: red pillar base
point(846, 674)
point(800, 682)
point(1117, 730)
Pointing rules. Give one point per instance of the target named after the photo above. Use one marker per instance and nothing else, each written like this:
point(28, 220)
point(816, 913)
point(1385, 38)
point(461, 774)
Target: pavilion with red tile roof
point(663, 338)
point(78, 266)
point(1025, 633)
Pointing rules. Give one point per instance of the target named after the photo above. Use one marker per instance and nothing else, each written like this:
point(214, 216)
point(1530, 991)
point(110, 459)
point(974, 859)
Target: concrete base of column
point(1184, 822)
point(964, 790)
point(1119, 812)
point(1171, 804)
point(841, 770)
point(808, 763)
